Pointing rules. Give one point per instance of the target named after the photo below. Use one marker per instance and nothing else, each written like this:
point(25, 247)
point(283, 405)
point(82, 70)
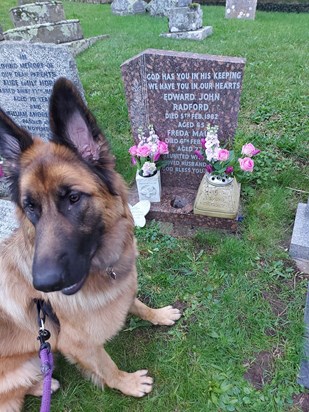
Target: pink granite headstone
point(180, 93)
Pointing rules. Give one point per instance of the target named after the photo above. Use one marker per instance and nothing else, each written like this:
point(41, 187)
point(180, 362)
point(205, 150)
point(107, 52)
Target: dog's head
point(58, 187)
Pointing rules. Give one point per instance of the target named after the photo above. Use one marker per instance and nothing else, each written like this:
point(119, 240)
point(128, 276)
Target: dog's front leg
point(97, 364)
point(163, 316)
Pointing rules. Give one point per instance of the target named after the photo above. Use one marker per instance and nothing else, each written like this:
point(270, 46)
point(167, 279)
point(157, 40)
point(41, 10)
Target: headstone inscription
point(240, 9)
point(180, 93)
point(27, 74)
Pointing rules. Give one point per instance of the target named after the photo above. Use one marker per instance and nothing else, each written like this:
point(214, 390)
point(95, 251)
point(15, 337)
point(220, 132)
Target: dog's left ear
point(73, 125)
point(14, 141)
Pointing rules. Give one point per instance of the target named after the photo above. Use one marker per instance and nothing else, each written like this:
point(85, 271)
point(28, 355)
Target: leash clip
point(110, 271)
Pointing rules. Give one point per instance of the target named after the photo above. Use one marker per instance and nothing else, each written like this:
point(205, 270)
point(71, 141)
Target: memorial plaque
point(27, 74)
point(8, 221)
point(180, 93)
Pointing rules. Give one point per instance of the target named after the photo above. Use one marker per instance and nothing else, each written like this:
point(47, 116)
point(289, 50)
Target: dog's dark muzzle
point(50, 275)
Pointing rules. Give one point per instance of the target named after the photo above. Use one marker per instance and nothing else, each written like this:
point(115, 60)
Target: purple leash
point(47, 364)
point(47, 361)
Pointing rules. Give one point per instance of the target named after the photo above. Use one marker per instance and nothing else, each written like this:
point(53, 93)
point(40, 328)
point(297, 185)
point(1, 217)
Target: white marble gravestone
point(240, 9)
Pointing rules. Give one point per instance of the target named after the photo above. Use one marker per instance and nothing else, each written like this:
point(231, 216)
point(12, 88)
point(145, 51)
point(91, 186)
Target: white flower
point(148, 168)
point(212, 153)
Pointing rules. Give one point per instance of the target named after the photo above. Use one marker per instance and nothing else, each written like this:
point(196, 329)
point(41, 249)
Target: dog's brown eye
point(74, 197)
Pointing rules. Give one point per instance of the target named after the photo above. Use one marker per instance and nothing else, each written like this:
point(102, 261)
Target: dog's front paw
point(136, 384)
point(165, 316)
point(37, 389)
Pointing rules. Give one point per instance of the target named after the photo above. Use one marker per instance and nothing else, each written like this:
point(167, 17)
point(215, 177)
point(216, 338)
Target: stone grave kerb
point(299, 247)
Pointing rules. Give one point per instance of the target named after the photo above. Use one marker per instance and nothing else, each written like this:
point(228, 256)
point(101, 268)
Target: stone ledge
point(78, 46)
point(61, 32)
point(200, 34)
point(165, 212)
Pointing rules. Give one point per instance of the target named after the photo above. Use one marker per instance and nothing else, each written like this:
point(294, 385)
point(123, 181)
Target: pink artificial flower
point(229, 170)
point(199, 154)
point(133, 160)
point(133, 150)
point(209, 168)
point(246, 164)
point(223, 155)
point(162, 147)
point(143, 151)
point(156, 156)
point(1, 171)
point(249, 150)
point(203, 143)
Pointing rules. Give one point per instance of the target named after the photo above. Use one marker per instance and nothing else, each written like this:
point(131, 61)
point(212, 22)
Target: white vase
point(149, 188)
point(218, 196)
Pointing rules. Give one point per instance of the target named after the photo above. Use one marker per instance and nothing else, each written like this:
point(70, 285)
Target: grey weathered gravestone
point(299, 248)
point(126, 7)
point(185, 19)
point(93, 1)
point(183, 3)
point(240, 9)
point(7, 218)
point(37, 13)
point(186, 22)
point(161, 7)
point(180, 93)
point(22, 2)
point(27, 74)
point(59, 32)
point(43, 22)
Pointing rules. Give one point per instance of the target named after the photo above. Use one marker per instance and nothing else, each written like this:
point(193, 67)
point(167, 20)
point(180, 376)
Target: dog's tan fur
point(95, 313)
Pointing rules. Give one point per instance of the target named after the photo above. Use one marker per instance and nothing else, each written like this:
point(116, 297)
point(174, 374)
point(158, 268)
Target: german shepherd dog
point(74, 249)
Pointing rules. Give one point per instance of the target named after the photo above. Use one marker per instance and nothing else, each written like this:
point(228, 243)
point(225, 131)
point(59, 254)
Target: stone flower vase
point(149, 187)
point(217, 196)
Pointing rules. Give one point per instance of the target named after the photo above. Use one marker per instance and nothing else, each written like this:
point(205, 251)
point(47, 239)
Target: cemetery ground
point(238, 345)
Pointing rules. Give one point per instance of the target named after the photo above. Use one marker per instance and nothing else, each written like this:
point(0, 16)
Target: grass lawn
point(238, 345)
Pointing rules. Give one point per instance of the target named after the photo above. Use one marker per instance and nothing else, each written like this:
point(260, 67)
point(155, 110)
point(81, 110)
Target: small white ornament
point(139, 211)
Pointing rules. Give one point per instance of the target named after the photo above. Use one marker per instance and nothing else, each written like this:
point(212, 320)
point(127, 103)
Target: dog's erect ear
point(73, 125)
point(13, 142)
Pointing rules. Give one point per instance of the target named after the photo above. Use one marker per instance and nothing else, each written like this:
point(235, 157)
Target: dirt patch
point(278, 307)
point(180, 305)
point(259, 371)
point(301, 401)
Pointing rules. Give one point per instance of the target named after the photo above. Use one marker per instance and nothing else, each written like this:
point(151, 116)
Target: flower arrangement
point(146, 155)
point(222, 161)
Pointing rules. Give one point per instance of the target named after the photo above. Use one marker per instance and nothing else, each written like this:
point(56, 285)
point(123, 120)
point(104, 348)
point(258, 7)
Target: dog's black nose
point(48, 276)
point(47, 282)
